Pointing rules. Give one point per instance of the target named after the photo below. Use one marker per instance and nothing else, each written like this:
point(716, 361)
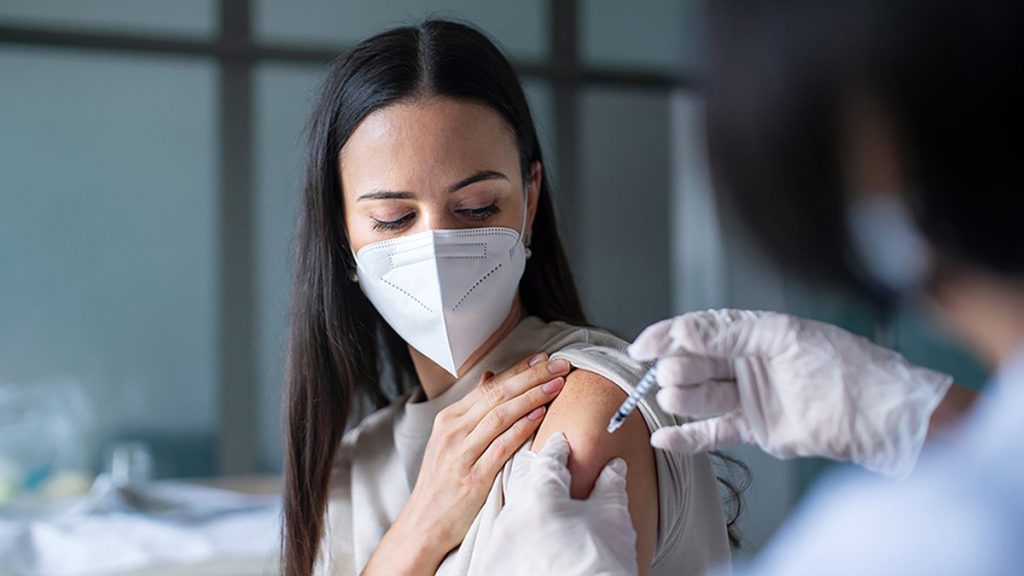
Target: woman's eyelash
point(392, 224)
point(480, 213)
point(473, 213)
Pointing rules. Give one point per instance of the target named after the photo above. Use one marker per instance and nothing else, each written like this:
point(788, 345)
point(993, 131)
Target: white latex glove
point(790, 386)
point(543, 531)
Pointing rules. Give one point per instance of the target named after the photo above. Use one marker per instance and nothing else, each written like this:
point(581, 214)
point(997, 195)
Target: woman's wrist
point(405, 552)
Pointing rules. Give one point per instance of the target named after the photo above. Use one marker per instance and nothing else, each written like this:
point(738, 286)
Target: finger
point(556, 447)
point(460, 406)
point(489, 378)
point(700, 436)
point(709, 398)
point(505, 445)
point(492, 393)
point(497, 420)
point(689, 370)
point(554, 455)
point(653, 342)
point(721, 333)
point(611, 483)
point(520, 367)
point(732, 333)
point(685, 334)
point(711, 332)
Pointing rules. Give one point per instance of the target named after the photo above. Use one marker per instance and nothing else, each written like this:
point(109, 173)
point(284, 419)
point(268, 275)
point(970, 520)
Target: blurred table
point(255, 484)
point(193, 517)
point(240, 567)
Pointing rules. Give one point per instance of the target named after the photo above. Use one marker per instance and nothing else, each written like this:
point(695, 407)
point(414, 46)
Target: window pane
point(621, 210)
point(107, 222)
point(520, 27)
point(662, 36)
point(196, 18)
point(283, 101)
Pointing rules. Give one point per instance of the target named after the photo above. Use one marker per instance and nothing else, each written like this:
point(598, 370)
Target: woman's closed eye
point(480, 213)
point(396, 224)
point(474, 214)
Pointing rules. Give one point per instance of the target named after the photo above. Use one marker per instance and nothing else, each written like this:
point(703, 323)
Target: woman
point(429, 258)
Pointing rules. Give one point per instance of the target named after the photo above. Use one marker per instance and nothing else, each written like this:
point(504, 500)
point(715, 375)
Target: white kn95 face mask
point(444, 291)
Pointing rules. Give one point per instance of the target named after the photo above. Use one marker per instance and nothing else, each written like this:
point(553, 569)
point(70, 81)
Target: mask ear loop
point(353, 275)
point(522, 229)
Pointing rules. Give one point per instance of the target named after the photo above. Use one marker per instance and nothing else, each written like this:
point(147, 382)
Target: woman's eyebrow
point(386, 195)
point(391, 195)
point(478, 177)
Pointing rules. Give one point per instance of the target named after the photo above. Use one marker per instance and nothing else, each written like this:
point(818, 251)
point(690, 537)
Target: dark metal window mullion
point(565, 64)
point(238, 398)
point(218, 49)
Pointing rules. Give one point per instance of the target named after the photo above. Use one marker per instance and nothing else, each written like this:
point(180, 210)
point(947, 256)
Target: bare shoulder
point(581, 411)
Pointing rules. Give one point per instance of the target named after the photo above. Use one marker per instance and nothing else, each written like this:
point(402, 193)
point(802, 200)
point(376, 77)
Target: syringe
point(642, 388)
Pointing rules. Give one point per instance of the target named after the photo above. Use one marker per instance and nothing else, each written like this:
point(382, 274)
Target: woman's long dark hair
point(339, 344)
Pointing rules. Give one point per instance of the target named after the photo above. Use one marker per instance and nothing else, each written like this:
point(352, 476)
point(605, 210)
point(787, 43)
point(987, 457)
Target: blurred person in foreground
point(875, 145)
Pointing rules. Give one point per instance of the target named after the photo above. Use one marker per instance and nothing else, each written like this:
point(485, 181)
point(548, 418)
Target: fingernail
point(618, 466)
point(558, 366)
point(553, 386)
point(536, 414)
point(537, 359)
point(661, 438)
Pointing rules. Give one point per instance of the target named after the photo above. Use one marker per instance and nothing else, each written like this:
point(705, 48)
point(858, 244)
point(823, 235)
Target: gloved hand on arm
point(790, 386)
point(542, 530)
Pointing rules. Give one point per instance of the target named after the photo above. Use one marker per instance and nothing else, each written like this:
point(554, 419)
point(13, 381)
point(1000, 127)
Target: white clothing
point(961, 512)
point(379, 461)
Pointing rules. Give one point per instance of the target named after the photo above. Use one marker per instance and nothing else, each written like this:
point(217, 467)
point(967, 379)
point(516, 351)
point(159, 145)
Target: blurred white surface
point(158, 528)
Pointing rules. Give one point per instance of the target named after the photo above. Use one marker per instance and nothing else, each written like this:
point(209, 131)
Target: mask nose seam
point(474, 286)
point(480, 245)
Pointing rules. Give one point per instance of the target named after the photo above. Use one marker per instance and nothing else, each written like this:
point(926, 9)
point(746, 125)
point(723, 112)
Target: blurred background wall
point(150, 159)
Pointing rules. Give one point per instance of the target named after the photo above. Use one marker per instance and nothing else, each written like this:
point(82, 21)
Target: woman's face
point(431, 164)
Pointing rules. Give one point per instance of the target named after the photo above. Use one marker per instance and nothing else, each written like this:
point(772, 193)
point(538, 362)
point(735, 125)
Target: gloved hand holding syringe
point(782, 383)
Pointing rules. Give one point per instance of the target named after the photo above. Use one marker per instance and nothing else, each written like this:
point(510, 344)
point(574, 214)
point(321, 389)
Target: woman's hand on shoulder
point(470, 442)
point(582, 411)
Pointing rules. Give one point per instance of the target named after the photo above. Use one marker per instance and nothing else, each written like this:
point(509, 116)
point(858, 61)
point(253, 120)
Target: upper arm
point(581, 411)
